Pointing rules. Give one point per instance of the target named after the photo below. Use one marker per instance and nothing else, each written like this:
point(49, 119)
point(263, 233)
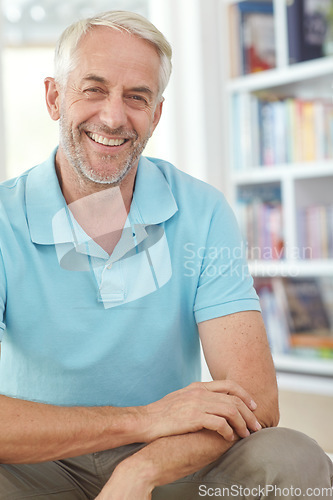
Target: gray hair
point(130, 22)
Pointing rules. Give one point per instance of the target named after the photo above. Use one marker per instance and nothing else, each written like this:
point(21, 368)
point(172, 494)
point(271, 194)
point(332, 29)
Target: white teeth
point(107, 142)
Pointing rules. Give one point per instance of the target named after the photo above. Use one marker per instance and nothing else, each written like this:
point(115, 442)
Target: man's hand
point(127, 483)
point(221, 406)
point(123, 491)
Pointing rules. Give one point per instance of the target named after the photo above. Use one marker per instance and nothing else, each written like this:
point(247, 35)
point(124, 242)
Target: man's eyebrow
point(100, 79)
point(142, 90)
point(95, 78)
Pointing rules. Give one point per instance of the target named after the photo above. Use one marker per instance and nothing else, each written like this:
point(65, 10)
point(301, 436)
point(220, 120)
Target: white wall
point(213, 67)
point(2, 128)
point(189, 134)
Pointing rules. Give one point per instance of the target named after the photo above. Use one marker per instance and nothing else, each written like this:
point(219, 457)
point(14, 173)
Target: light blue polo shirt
point(80, 327)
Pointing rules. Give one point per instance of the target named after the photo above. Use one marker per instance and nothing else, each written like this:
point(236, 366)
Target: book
point(235, 62)
point(294, 27)
point(266, 132)
point(308, 132)
point(315, 14)
point(298, 315)
point(307, 26)
point(259, 212)
point(312, 353)
point(257, 36)
point(312, 340)
point(271, 130)
point(273, 316)
point(315, 231)
point(245, 118)
point(305, 308)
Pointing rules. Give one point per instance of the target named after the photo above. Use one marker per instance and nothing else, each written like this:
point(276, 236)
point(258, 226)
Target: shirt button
point(109, 266)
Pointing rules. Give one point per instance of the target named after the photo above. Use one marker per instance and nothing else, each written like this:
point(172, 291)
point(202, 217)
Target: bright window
point(31, 29)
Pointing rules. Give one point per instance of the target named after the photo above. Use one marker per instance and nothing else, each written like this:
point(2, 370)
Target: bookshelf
point(302, 205)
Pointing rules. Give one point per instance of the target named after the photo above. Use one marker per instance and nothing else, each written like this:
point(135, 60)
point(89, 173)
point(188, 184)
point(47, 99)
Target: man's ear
point(52, 98)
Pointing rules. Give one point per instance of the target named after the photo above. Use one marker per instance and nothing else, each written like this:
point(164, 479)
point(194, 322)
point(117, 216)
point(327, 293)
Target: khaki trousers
point(272, 463)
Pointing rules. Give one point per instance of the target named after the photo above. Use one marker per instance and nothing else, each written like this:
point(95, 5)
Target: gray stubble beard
point(75, 155)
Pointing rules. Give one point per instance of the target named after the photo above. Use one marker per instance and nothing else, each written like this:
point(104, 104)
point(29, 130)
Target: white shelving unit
point(302, 73)
point(301, 184)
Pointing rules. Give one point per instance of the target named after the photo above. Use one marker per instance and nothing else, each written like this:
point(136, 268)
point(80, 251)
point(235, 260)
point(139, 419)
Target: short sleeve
point(2, 297)
point(225, 285)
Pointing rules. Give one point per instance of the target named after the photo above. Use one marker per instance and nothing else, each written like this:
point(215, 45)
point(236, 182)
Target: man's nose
point(113, 112)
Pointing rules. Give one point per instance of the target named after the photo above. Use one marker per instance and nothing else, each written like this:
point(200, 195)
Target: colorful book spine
point(295, 313)
point(277, 131)
point(256, 40)
point(315, 231)
point(307, 26)
point(259, 212)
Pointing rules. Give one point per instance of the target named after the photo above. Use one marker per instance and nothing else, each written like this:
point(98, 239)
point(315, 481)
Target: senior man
point(112, 267)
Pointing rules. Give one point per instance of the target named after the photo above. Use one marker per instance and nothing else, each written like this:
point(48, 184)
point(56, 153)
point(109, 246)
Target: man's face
point(109, 107)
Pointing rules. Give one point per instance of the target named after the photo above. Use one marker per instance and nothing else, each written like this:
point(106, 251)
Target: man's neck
point(101, 210)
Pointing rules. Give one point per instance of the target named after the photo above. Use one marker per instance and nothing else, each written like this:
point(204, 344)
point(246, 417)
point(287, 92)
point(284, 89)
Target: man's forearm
point(168, 459)
point(34, 432)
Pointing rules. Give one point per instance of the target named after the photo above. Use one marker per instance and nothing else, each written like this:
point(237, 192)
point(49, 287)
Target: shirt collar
point(153, 201)
point(44, 200)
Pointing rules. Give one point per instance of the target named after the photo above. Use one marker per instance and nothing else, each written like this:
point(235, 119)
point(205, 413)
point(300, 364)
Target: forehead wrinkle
point(93, 59)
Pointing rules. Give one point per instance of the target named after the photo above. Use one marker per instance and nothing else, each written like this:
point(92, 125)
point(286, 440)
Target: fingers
point(228, 409)
point(231, 414)
point(221, 426)
point(221, 406)
point(231, 387)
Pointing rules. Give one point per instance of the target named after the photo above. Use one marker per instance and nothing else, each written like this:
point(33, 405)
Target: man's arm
point(236, 349)
point(33, 432)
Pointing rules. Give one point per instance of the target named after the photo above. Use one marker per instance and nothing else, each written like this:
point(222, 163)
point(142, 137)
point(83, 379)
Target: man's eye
point(93, 90)
point(137, 100)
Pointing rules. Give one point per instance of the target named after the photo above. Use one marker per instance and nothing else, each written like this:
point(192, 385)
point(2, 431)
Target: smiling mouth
point(99, 139)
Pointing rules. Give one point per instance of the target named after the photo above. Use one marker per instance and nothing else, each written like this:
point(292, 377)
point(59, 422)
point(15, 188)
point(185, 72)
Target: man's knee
point(277, 443)
point(274, 456)
point(272, 463)
point(287, 457)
